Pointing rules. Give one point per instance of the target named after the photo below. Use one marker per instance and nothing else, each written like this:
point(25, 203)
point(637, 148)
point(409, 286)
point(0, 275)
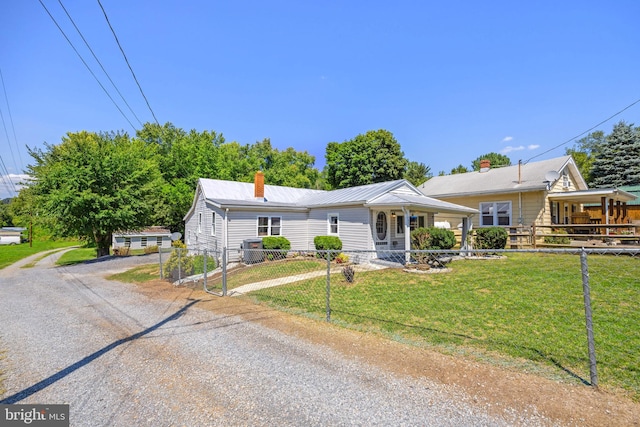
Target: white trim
point(329, 224)
point(494, 213)
point(199, 222)
point(213, 223)
point(270, 226)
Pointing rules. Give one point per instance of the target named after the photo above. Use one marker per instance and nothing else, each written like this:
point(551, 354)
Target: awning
point(593, 196)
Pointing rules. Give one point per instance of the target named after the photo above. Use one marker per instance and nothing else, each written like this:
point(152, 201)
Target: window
point(143, 242)
point(213, 223)
point(565, 180)
point(416, 222)
point(399, 225)
point(199, 222)
point(127, 242)
point(333, 221)
point(495, 213)
point(269, 225)
point(159, 241)
point(381, 226)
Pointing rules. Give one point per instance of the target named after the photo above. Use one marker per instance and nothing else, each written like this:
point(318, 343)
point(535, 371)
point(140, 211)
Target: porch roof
point(418, 202)
point(594, 195)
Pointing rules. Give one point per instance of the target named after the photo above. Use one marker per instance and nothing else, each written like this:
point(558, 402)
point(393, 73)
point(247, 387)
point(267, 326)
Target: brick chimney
point(258, 185)
point(485, 165)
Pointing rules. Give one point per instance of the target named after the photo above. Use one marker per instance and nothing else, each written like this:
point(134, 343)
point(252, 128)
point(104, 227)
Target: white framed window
point(565, 180)
point(269, 226)
point(143, 242)
point(159, 241)
point(199, 222)
point(416, 221)
point(400, 225)
point(333, 221)
point(213, 223)
point(495, 214)
point(127, 242)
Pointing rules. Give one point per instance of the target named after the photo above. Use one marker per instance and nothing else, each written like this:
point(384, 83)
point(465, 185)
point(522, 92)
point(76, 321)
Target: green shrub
point(151, 250)
point(198, 264)
point(273, 243)
point(558, 240)
point(491, 238)
point(432, 238)
point(179, 264)
point(327, 243)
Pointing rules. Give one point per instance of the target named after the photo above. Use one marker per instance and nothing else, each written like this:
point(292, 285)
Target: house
point(11, 235)
point(369, 217)
point(630, 211)
point(151, 236)
point(544, 193)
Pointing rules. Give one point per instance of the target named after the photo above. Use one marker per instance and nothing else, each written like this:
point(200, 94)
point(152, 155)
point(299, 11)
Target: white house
point(152, 236)
point(11, 235)
point(369, 217)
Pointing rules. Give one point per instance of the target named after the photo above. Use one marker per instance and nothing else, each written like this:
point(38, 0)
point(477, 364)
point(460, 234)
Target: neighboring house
point(152, 236)
point(11, 235)
point(544, 193)
point(369, 217)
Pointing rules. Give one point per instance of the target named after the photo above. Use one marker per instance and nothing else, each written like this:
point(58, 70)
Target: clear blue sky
point(451, 80)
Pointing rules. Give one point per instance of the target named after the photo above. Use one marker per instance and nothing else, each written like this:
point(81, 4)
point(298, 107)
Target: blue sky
point(451, 80)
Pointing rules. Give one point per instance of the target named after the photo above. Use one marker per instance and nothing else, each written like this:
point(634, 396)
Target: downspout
point(520, 219)
point(226, 229)
point(407, 236)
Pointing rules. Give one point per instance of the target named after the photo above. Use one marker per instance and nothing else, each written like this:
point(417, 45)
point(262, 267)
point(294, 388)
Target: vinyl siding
point(354, 228)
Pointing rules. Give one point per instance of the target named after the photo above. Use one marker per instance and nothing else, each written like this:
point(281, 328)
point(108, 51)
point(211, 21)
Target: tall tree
point(92, 185)
point(368, 158)
point(585, 152)
point(497, 160)
point(618, 161)
point(459, 169)
point(417, 173)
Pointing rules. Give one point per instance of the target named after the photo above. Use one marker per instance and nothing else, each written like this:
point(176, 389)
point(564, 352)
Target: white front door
point(381, 230)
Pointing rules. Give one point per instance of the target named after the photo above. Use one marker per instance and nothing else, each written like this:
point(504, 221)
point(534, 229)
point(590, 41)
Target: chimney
point(485, 165)
point(258, 185)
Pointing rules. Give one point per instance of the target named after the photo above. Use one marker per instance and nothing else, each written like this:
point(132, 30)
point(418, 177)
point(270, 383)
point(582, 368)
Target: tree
point(92, 185)
point(585, 151)
point(459, 169)
point(417, 173)
point(368, 158)
point(5, 216)
point(497, 160)
point(618, 160)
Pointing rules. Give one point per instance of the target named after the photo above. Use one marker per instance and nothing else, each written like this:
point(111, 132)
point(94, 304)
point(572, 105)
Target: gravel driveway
point(119, 358)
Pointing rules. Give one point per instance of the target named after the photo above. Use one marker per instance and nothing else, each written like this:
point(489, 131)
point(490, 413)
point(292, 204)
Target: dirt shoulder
point(494, 387)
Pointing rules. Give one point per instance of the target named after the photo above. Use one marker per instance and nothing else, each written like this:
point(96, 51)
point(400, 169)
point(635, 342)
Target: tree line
point(93, 184)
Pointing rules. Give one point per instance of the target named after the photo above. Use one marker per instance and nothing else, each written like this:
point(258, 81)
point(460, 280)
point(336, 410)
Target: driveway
point(121, 358)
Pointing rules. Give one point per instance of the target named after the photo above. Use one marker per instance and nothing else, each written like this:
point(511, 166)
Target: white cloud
point(16, 179)
point(507, 139)
point(509, 149)
point(533, 147)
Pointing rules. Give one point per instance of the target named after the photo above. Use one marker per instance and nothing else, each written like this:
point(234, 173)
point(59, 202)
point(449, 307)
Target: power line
point(15, 138)
point(127, 61)
point(6, 179)
point(86, 65)
point(98, 61)
point(586, 131)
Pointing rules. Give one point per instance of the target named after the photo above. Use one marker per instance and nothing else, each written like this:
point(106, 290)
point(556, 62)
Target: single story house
point(370, 217)
point(11, 235)
point(151, 236)
point(545, 193)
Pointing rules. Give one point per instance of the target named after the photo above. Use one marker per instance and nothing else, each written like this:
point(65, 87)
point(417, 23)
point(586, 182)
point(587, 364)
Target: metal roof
point(508, 179)
point(397, 193)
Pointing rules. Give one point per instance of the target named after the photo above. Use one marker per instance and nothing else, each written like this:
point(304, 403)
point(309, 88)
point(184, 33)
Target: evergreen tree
point(618, 162)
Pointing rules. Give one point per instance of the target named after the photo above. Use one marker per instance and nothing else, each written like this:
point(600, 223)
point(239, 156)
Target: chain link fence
point(573, 313)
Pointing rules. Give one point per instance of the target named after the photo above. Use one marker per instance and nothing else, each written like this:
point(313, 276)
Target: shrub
point(327, 243)
point(123, 251)
point(198, 264)
point(272, 243)
point(342, 258)
point(558, 240)
point(151, 250)
point(432, 238)
point(179, 264)
point(491, 238)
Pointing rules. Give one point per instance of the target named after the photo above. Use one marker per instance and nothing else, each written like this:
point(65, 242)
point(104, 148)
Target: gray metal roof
point(527, 177)
point(392, 193)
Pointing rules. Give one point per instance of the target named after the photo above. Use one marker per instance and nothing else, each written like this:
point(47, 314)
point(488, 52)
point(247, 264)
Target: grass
point(13, 253)
point(140, 274)
point(525, 307)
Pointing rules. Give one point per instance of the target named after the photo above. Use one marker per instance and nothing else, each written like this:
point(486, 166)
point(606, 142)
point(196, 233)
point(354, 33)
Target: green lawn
point(14, 253)
point(527, 308)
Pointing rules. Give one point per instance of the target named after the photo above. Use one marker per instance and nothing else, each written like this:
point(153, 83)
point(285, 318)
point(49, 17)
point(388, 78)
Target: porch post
point(407, 236)
point(465, 232)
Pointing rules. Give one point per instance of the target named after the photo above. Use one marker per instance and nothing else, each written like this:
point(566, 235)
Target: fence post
point(589, 318)
point(204, 267)
point(160, 255)
point(328, 293)
point(224, 272)
point(179, 265)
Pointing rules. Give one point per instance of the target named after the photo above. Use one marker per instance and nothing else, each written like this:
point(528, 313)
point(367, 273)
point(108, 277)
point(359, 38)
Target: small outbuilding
point(148, 237)
point(11, 235)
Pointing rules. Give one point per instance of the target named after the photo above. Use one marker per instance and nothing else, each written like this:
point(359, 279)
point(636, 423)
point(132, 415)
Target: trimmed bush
point(432, 238)
point(491, 238)
point(273, 243)
point(327, 243)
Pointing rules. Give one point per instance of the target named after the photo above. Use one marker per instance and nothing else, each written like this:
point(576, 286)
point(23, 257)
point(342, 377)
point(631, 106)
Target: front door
point(381, 230)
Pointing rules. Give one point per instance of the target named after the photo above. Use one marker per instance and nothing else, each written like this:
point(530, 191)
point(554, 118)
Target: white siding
point(354, 228)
